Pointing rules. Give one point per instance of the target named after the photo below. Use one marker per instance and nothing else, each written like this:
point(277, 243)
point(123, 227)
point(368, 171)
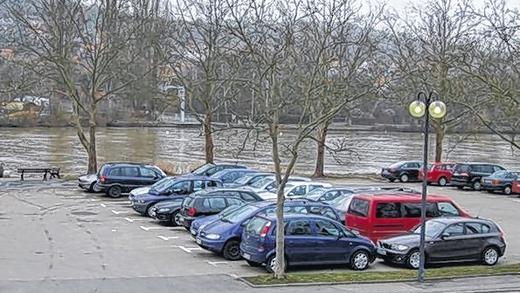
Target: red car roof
point(399, 197)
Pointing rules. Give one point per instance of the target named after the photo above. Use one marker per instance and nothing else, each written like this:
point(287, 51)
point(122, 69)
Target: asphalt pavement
point(56, 238)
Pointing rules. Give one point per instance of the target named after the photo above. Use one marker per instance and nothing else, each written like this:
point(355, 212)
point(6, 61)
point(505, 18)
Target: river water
point(366, 152)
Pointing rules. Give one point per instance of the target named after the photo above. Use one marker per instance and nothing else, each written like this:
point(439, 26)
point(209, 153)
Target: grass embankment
point(390, 276)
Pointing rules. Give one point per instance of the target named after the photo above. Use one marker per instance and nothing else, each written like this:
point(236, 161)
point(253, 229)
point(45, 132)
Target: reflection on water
point(368, 151)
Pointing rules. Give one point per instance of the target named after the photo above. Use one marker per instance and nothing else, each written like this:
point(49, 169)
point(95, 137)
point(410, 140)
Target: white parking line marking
point(94, 199)
point(189, 249)
point(103, 205)
point(152, 228)
point(131, 220)
point(216, 263)
point(165, 238)
point(120, 212)
point(516, 200)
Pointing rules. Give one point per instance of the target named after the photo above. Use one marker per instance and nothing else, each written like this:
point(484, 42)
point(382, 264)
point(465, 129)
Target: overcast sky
point(399, 5)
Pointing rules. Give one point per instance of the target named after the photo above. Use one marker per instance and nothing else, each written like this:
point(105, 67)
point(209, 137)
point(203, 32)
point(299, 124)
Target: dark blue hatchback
point(309, 240)
point(223, 234)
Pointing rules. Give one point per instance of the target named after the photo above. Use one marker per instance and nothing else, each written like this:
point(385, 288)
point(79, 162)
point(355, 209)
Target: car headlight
point(213, 236)
point(399, 247)
point(163, 210)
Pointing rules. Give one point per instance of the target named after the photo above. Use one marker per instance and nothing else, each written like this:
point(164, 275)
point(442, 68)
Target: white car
point(269, 183)
point(88, 182)
point(293, 189)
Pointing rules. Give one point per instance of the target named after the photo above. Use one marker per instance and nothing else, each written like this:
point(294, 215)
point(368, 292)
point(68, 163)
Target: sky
point(400, 5)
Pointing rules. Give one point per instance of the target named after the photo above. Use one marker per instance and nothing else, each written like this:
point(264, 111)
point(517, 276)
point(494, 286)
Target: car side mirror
point(445, 236)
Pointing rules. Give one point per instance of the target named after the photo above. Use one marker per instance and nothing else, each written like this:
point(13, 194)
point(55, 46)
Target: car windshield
point(396, 165)
point(433, 228)
point(244, 179)
point(239, 214)
point(316, 193)
point(187, 201)
point(337, 202)
point(162, 184)
point(202, 169)
point(273, 187)
point(229, 210)
point(260, 183)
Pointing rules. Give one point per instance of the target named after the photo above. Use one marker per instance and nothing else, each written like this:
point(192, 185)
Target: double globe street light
point(425, 106)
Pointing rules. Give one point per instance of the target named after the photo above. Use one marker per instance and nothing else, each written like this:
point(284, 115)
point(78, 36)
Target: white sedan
point(294, 189)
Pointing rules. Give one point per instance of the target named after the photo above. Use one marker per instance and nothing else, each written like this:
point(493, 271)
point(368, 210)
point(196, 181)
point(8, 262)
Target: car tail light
point(265, 229)
point(191, 212)
point(102, 179)
point(464, 174)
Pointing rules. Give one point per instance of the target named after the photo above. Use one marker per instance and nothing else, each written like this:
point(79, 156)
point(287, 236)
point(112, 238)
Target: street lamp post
point(425, 106)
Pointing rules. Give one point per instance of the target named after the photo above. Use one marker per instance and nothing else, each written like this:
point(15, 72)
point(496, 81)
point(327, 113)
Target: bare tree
point(83, 49)
point(425, 49)
point(274, 35)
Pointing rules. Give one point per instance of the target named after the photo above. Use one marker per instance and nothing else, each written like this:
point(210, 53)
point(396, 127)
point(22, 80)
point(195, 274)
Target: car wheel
point(442, 181)
point(148, 211)
point(270, 264)
point(253, 264)
point(404, 178)
point(360, 260)
point(114, 191)
point(507, 190)
point(413, 259)
point(172, 219)
point(477, 186)
point(91, 187)
point(490, 256)
point(231, 250)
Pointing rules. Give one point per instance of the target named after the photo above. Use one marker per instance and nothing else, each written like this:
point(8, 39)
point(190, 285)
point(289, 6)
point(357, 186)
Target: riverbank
point(334, 127)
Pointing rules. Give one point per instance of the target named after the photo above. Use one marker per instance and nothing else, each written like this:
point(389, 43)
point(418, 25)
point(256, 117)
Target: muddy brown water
point(367, 151)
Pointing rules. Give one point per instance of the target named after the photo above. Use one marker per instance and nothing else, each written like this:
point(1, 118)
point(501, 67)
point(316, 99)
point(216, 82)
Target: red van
point(439, 173)
point(515, 188)
point(383, 215)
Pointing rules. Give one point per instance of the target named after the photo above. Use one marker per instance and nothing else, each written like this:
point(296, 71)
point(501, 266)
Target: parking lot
point(53, 230)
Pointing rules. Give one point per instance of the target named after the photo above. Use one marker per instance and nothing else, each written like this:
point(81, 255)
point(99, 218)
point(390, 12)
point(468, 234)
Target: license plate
point(381, 251)
point(246, 256)
point(198, 241)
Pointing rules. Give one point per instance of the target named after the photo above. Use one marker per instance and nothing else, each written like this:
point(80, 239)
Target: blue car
point(309, 240)
point(228, 176)
point(177, 187)
point(199, 223)
point(501, 181)
point(223, 235)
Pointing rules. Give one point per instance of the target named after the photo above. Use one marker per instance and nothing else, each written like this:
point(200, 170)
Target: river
point(367, 151)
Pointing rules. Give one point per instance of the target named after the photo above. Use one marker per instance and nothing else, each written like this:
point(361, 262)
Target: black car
point(501, 181)
point(470, 174)
point(195, 206)
point(210, 168)
point(117, 178)
point(167, 211)
point(402, 171)
point(451, 239)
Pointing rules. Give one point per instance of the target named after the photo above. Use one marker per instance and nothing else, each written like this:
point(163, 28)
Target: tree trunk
point(279, 271)
point(91, 150)
point(320, 151)
point(208, 138)
point(439, 139)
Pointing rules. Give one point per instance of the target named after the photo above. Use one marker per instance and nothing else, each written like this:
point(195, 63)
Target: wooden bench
point(53, 172)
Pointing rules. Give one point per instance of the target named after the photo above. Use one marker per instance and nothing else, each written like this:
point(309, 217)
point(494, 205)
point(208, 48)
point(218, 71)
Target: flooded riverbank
point(367, 150)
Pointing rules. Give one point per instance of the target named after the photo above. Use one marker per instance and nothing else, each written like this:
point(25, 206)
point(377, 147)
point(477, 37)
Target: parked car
point(117, 178)
point(173, 190)
point(403, 171)
point(501, 181)
point(210, 168)
point(223, 235)
point(228, 176)
point(200, 222)
point(212, 202)
point(249, 179)
point(309, 240)
point(516, 185)
point(269, 183)
point(293, 189)
point(146, 189)
point(470, 174)
point(438, 173)
point(88, 182)
point(328, 194)
point(447, 240)
point(386, 214)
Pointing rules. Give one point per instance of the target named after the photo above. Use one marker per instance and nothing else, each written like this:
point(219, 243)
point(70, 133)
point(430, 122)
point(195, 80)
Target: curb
point(428, 280)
